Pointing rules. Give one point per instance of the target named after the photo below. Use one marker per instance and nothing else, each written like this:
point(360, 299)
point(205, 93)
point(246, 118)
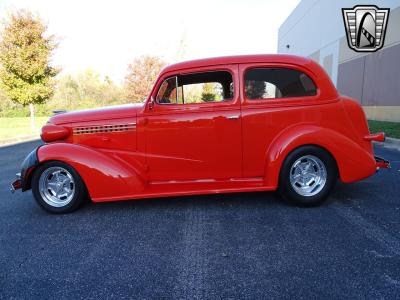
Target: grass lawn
point(17, 127)
point(392, 129)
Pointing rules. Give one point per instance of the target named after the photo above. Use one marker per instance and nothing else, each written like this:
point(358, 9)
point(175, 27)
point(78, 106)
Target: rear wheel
point(307, 176)
point(58, 188)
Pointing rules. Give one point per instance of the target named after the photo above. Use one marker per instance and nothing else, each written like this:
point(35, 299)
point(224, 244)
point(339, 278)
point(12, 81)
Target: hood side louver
point(104, 128)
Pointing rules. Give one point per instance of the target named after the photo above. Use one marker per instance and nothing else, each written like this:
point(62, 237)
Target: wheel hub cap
point(56, 186)
point(308, 175)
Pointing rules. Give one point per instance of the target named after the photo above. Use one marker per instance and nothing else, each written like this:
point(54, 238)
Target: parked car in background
point(217, 125)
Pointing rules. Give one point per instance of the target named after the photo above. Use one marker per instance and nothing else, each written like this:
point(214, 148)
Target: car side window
point(202, 87)
point(167, 93)
point(272, 83)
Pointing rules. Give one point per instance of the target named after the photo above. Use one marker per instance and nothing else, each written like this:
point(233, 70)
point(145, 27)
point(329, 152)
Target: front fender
point(28, 165)
point(354, 162)
point(105, 175)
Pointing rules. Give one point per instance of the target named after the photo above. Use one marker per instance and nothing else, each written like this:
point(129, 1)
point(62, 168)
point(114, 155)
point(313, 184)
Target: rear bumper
point(377, 137)
point(381, 163)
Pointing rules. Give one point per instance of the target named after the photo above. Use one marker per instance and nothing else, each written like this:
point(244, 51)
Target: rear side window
point(272, 83)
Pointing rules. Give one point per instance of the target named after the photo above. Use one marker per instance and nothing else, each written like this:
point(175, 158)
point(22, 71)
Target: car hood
point(102, 113)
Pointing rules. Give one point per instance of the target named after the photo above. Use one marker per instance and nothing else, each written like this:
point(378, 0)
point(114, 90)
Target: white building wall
point(331, 49)
point(317, 25)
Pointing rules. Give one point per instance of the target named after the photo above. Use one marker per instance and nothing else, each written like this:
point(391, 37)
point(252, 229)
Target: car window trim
point(294, 101)
point(277, 98)
point(197, 72)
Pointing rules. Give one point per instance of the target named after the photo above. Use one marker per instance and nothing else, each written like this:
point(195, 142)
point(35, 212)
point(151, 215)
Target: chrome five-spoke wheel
point(308, 175)
point(56, 186)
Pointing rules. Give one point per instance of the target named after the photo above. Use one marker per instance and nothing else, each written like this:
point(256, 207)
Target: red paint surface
point(198, 149)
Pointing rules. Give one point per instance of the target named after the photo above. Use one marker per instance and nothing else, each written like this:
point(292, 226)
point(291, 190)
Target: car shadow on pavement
point(252, 199)
point(342, 193)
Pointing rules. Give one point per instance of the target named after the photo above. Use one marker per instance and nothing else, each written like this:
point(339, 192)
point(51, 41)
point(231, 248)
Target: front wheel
point(58, 188)
point(308, 175)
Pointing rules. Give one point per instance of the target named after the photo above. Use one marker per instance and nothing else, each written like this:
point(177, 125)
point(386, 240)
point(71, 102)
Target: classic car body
point(166, 147)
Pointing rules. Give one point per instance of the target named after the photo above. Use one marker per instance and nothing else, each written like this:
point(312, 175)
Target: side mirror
point(151, 103)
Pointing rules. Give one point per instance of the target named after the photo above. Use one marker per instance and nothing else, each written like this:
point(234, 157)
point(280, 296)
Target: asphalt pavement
point(246, 245)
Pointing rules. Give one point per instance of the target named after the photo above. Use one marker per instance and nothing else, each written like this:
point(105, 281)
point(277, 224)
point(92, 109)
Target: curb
point(17, 140)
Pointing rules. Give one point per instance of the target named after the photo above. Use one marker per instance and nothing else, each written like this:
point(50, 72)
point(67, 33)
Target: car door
point(273, 99)
point(192, 137)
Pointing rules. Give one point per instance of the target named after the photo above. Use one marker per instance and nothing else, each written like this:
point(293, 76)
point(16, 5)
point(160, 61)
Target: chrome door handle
point(233, 117)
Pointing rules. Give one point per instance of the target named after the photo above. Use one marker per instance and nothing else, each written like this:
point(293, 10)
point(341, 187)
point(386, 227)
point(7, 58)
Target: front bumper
point(381, 163)
point(17, 183)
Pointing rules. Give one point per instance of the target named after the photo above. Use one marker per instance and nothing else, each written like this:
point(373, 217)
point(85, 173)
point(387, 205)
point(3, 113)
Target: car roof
point(320, 77)
point(238, 59)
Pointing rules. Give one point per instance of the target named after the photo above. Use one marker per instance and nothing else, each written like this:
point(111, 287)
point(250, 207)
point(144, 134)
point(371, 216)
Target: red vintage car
point(217, 125)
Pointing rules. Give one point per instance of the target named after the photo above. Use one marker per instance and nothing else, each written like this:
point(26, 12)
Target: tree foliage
point(85, 90)
point(208, 92)
point(142, 73)
point(25, 52)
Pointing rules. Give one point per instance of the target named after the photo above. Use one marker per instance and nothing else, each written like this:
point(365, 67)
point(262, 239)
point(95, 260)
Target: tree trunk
point(32, 111)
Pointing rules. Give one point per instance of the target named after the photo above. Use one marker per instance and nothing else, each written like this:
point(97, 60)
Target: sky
point(107, 35)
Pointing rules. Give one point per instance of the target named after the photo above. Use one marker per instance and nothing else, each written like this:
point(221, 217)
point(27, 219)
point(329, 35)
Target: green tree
point(112, 93)
point(67, 90)
point(5, 104)
point(87, 89)
point(26, 75)
point(208, 92)
point(90, 86)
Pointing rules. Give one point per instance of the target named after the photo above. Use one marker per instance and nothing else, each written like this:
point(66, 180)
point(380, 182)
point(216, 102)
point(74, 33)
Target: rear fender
point(104, 175)
point(353, 162)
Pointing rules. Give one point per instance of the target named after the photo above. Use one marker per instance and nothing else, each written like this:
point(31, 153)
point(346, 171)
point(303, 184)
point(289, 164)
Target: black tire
point(288, 191)
point(79, 195)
